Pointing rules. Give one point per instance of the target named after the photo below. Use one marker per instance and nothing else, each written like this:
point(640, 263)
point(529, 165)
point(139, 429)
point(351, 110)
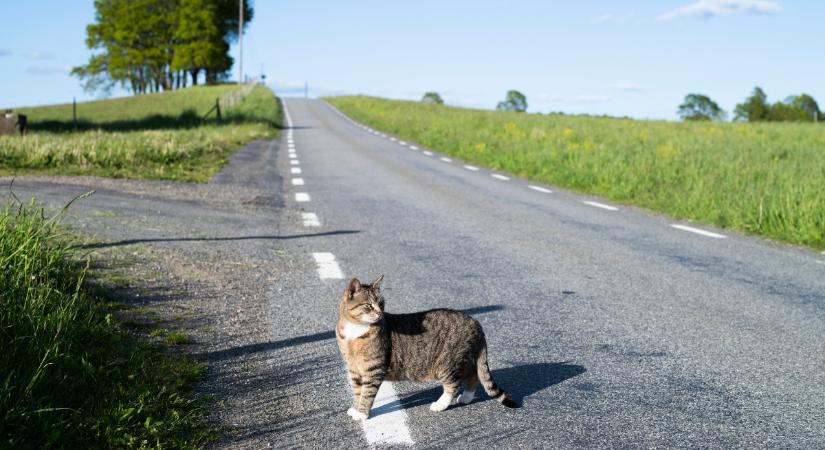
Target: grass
point(765, 179)
point(70, 377)
point(158, 136)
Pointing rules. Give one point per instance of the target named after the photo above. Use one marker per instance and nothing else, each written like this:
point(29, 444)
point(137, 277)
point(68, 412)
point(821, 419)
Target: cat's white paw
point(466, 397)
point(356, 415)
point(442, 403)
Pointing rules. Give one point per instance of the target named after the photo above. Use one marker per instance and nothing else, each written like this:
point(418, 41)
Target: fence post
point(74, 113)
point(218, 108)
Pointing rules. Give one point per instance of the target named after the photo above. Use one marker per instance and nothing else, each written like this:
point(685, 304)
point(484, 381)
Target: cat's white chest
point(352, 331)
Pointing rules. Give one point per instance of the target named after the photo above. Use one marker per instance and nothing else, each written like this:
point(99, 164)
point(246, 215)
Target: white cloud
point(626, 86)
point(48, 70)
point(592, 98)
point(41, 56)
point(711, 8)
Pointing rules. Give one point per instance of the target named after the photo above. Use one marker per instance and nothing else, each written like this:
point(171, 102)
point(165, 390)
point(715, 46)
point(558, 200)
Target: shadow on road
point(518, 381)
point(300, 340)
point(214, 239)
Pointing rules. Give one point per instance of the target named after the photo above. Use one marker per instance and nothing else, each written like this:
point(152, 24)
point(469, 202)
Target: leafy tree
point(515, 101)
point(432, 97)
point(807, 104)
point(755, 108)
point(785, 112)
point(200, 41)
point(700, 107)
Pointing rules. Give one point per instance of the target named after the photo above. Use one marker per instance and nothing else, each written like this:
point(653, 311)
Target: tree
point(515, 101)
point(700, 107)
point(807, 104)
point(432, 97)
point(200, 41)
point(755, 108)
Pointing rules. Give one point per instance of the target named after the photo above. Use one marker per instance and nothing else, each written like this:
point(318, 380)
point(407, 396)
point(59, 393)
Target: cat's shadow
point(519, 382)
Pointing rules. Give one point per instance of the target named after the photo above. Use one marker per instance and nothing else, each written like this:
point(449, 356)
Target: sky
point(622, 58)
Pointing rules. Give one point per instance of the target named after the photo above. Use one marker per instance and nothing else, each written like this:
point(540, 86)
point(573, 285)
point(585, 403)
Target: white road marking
point(469, 167)
point(295, 170)
point(383, 135)
point(294, 162)
point(698, 231)
point(393, 139)
point(389, 428)
point(286, 113)
point(297, 181)
point(402, 142)
point(601, 205)
point(819, 262)
point(290, 141)
point(445, 159)
point(328, 268)
point(414, 147)
point(427, 153)
point(292, 156)
point(310, 220)
point(301, 197)
point(500, 177)
point(540, 189)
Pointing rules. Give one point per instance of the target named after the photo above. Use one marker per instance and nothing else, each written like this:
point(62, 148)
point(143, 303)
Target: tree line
point(755, 108)
point(158, 45)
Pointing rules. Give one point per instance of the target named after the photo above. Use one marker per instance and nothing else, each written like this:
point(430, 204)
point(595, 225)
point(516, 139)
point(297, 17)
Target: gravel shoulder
point(196, 258)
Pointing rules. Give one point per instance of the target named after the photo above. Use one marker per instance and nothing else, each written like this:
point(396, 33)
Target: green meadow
point(157, 136)
point(766, 179)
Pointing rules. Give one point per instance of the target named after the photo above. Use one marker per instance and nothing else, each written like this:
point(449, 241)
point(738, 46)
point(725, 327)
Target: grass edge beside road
point(759, 179)
point(73, 377)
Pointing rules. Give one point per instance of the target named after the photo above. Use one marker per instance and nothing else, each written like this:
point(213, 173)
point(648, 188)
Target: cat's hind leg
point(450, 391)
point(469, 392)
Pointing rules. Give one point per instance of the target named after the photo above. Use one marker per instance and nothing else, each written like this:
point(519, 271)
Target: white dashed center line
point(389, 428)
point(292, 156)
point(600, 205)
point(427, 153)
point(301, 197)
point(445, 159)
point(698, 231)
point(499, 177)
point(294, 162)
point(295, 170)
point(328, 268)
point(413, 147)
point(402, 143)
point(297, 181)
point(473, 168)
point(310, 220)
point(540, 189)
point(393, 139)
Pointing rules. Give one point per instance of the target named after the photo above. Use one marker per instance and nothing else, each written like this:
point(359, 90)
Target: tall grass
point(159, 136)
point(766, 179)
point(68, 377)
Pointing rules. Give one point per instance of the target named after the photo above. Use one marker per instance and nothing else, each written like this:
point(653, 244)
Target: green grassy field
point(71, 378)
point(766, 179)
point(158, 136)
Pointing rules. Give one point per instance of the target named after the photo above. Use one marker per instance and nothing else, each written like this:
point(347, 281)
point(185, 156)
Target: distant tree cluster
point(155, 45)
point(433, 98)
point(514, 101)
point(755, 108)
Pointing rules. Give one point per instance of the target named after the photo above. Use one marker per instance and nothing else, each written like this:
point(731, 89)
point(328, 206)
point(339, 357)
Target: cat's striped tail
point(490, 386)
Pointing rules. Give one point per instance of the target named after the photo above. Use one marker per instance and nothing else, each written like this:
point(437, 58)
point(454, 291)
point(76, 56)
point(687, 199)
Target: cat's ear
point(377, 283)
point(354, 287)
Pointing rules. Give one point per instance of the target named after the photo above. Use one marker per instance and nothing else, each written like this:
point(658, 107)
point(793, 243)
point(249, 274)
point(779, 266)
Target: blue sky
point(634, 58)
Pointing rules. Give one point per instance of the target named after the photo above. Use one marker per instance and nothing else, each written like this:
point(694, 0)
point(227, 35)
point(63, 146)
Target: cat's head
point(363, 303)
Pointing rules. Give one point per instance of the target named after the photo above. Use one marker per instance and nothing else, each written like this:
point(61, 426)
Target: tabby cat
point(439, 344)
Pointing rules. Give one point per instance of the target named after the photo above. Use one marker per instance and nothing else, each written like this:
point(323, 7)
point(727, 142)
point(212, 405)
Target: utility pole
point(240, 44)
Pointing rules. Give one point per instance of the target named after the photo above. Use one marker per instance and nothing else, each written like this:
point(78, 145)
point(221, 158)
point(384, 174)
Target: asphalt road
point(614, 328)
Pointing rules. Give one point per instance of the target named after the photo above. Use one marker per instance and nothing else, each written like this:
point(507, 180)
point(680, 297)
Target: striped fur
point(440, 344)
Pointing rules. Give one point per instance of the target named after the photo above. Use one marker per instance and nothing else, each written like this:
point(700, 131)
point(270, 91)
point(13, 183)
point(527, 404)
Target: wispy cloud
point(5, 52)
point(626, 86)
point(592, 99)
point(41, 56)
point(712, 8)
point(612, 18)
point(47, 70)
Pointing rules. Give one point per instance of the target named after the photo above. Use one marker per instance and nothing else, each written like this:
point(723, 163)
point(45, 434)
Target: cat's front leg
point(355, 382)
point(369, 389)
